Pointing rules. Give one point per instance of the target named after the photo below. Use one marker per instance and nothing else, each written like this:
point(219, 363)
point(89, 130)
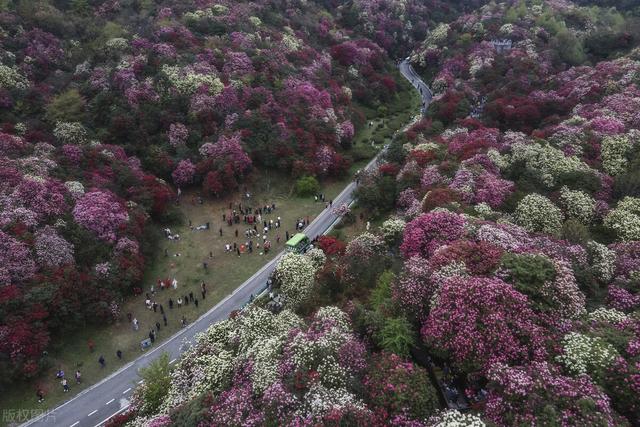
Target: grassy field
point(225, 271)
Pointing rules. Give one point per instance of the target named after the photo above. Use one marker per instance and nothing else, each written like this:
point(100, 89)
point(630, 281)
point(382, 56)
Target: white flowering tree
point(624, 220)
point(536, 213)
point(295, 272)
point(392, 230)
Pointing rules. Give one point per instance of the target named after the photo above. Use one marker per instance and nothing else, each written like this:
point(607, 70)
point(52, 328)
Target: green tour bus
point(297, 243)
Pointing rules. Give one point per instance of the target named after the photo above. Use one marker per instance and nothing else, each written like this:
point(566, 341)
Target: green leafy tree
point(157, 381)
point(307, 186)
point(397, 336)
point(69, 106)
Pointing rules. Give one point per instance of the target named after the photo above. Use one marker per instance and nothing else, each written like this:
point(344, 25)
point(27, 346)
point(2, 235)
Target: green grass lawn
point(225, 271)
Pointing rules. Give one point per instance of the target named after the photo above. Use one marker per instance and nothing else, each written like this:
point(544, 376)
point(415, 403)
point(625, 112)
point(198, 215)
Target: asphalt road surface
point(97, 404)
point(409, 73)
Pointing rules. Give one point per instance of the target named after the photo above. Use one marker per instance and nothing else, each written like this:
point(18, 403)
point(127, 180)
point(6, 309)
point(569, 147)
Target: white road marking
point(127, 391)
point(173, 361)
point(140, 382)
point(91, 413)
point(75, 424)
point(110, 401)
point(109, 417)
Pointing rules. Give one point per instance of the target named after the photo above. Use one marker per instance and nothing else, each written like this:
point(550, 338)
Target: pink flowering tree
point(414, 290)
point(426, 233)
point(480, 322)
point(102, 213)
point(538, 394)
point(52, 250)
point(228, 150)
point(184, 173)
point(16, 263)
point(178, 134)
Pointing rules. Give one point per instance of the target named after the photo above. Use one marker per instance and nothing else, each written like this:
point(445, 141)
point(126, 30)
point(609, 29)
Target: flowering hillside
point(510, 255)
point(108, 107)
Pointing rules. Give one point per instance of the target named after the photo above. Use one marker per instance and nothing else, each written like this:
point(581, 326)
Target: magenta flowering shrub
point(426, 233)
point(184, 173)
point(480, 322)
point(102, 213)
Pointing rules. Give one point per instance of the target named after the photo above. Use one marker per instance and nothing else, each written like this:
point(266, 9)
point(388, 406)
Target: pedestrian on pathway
point(155, 307)
point(65, 385)
point(236, 232)
point(164, 319)
point(101, 361)
point(331, 202)
point(152, 336)
point(203, 289)
point(136, 324)
point(183, 321)
point(287, 235)
point(210, 254)
point(191, 296)
point(238, 250)
point(161, 309)
point(186, 300)
point(179, 302)
point(119, 354)
point(170, 304)
point(220, 231)
point(196, 302)
point(158, 326)
point(78, 376)
point(40, 395)
point(205, 265)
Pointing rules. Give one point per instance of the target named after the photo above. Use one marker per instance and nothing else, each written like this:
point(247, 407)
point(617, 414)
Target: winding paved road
point(97, 404)
point(409, 73)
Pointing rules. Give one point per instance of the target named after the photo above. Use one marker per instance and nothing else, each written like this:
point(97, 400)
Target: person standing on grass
point(203, 289)
point(136, 324)
point(91, 345)
point(40, 395)
point(158, 326)
point(119, 354)
point(191, 296)
point(101, 361)
point(164, 319)
point(170, 304)
point(78, 376)
point(195, 301)
point(65, 385)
